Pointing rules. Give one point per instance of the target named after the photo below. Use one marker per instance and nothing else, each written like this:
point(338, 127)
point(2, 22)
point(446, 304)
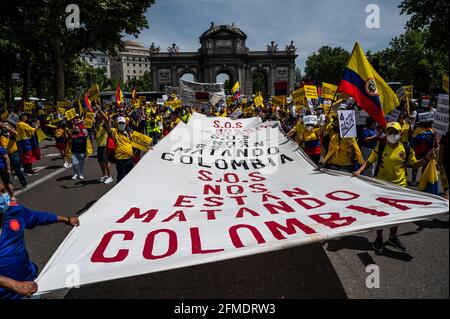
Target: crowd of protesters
point(382, 153)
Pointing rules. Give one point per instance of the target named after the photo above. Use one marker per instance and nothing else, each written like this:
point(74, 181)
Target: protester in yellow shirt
point(8, 141)
point(342, 152)
point(123, 154)
point(101, 140)
point(392, 157)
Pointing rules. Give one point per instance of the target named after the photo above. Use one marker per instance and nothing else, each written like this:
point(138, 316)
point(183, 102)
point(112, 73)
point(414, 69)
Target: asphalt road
point(335, 269)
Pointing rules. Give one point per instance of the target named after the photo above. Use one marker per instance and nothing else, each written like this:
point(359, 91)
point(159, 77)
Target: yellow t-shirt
point(308, 136)
point(393, 164)
point(343, 151)
point(299, 128)
point(124, 148)
point(8, 144)
point(405, 133)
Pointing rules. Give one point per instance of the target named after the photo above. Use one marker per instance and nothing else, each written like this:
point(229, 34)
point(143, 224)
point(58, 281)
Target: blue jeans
point(17, 167)
point(78, 163)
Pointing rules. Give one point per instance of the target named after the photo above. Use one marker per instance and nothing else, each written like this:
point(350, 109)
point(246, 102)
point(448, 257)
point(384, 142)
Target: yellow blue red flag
point(429, 181)
point(236, 90)
point(119, 95)
point(366, 86)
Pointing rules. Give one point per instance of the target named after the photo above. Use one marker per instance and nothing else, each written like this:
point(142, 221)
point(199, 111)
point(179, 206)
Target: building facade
point(97, 60)
point(131, 63)
point(223, 50)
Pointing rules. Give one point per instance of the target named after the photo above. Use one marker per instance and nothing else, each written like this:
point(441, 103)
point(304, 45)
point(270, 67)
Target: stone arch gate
point(223, 50)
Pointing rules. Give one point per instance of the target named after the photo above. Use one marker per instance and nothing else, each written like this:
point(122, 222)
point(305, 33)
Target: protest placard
point(425, 117)
point(311, 92)
point(140, 141)
point(70, 114)
point(440, 124)
point(347, 123)
point(328, 90)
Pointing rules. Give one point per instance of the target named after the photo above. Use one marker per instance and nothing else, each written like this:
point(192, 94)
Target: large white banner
point(195, 94)
point(216, 189)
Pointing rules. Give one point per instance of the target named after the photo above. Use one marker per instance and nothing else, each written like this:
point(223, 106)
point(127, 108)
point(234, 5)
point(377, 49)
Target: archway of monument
point(226, 78)
point(260, 80)
point(188, 76)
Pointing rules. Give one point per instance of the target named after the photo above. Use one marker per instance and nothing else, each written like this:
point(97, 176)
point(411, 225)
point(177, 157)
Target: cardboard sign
point(409, 89)
point(393, 116)
point(70, 114)
point(425, 117)
point(328, 90)
point(310, 119)
point(347, 123)
point(28, 107)
point(311, 92)
point(440, 124)
point(140, 141)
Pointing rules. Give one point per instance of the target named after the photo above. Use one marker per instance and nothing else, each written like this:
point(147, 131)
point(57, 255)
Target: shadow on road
point(432, 224)
point(363, 244)
point(301, 272)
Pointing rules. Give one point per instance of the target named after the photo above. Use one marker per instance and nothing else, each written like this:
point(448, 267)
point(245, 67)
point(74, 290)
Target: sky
point(309, 23)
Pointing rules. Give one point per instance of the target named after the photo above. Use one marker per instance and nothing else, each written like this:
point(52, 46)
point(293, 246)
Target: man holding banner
point(391, 159)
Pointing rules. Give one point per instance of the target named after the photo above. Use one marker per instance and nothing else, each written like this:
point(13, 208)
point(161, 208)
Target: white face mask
point(393, 138)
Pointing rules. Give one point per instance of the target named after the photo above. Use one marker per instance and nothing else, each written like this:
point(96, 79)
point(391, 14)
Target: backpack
point(381, 147)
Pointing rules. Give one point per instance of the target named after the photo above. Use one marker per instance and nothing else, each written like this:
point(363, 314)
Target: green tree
point(409, 60)
point(327, 65)
point(431, 16)
point(34, 25)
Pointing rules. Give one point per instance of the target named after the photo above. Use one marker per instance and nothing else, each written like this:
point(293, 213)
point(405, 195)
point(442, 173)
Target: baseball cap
point(394, 125)
point(121, 119)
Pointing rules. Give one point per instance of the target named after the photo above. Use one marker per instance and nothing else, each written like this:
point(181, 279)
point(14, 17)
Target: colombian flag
point(119, 95)
point(88, 103)
point(28, 144)
point(429, 181)
point(236, 90)
point(366, 86)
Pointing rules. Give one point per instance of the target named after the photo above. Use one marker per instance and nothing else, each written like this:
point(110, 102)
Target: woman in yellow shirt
point(123, 153)
point(392, 158)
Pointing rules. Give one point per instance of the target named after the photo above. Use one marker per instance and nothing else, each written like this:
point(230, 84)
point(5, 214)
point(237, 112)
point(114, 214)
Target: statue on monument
point(272, 48)
point(154, 49)
point(174, 48)
point(291, 48)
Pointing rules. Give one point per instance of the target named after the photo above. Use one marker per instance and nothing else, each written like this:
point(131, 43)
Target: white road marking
point(40, 181)
point(52, 155)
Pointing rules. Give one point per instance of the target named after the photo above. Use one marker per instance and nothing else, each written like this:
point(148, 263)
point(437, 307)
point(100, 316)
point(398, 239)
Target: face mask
point(310, 128)
point(4, 202)
point(121, 126)
point(393, 138)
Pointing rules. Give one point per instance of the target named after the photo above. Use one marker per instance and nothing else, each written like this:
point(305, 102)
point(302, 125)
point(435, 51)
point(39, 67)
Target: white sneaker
point(108, 180)
point(75, 176)
point(81, 177)
point(66, 165)
point(103, 179)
